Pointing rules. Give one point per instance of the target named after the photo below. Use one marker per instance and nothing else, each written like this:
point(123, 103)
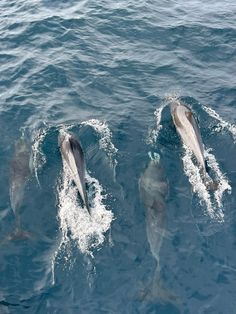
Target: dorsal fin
point(75, 145)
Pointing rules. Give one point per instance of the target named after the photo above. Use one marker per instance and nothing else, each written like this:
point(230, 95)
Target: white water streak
point(213, 202)
point(222, 123)
point(221, 178)
point(105, 141)
point(38, 158)
point(75, 222)
point(193, 173)
point(173, 97)
point(153, 134)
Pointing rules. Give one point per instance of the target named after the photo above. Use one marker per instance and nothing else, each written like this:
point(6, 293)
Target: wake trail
point(231, 128)
point(86, 232)
point(212, 200)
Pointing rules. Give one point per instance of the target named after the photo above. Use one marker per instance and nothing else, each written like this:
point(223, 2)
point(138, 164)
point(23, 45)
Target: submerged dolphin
point(153, 188)
point(73, 156)
point(20, 171)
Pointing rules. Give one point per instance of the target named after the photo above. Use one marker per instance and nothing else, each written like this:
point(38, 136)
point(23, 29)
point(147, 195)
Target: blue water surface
point(67, 62)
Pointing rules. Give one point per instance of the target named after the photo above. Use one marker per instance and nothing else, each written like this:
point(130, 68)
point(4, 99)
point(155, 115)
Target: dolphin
point(73, 157)
point(153, 189)
point(189, 132)
point(20, 171)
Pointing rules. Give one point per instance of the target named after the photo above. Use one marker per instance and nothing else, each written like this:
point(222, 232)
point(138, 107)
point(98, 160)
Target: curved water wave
point(153, 133)
point(105, 141)
point(222, 124)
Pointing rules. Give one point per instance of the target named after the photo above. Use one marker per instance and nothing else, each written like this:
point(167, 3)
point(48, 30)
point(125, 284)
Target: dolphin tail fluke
point(156, 292)
point(17, 234)
point(20, 234)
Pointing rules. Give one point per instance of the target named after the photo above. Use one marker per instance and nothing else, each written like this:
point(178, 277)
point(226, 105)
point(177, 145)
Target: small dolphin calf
point(153, 189)
point(73, 156)
point(20, 172)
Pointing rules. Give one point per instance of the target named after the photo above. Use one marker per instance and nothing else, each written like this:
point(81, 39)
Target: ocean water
point(107, 71)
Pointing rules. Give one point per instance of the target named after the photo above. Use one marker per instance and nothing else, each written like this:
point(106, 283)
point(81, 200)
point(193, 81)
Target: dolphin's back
point(153, 189)
point(188, 130)
point(19, 173)
point(78, 155)
point(74, 157)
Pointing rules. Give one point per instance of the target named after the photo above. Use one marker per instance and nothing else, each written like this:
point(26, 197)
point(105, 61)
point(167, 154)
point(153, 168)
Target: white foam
point(38, 158)
point(213, 201)
point(173, 97)
point(105, 141)
point(75, 222)
point(153, 134)
point(193, 174)
point(222, 123)
point(220, 178)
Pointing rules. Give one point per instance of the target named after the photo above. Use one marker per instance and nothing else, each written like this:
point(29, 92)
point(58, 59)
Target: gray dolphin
point(73, 156)
point(189, 132)
point(20, 172)
point(153, 189)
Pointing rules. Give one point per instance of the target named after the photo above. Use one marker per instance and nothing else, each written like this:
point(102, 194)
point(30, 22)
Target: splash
point(222, 123)
point(105, 141)
point(213, 201)
point(79, 229)
point(193, 173)
point(75, 222)
point(224, 185)
point(173, 97)
point(38, 158)
point(153, 134)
